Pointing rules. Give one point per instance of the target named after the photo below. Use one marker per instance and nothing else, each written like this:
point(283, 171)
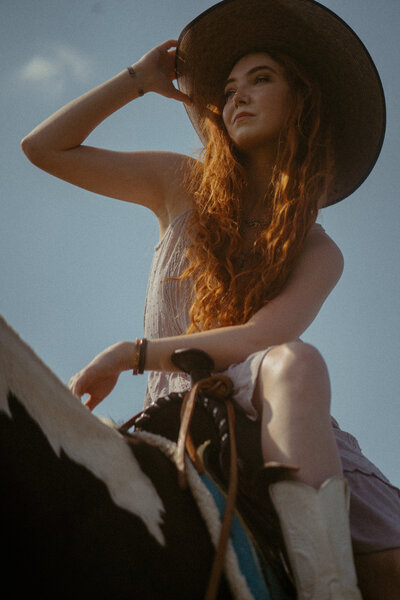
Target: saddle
point(222, 442)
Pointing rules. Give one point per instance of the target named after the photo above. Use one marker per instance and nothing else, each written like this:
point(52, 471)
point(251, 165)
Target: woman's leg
point(293, 398)
point(379, 574)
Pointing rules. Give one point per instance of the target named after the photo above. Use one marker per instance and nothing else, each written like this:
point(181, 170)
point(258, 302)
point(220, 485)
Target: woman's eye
point(262, 78)
point(228, 93)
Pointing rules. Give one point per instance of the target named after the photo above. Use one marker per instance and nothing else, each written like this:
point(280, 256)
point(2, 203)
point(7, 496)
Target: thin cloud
point(54, 70)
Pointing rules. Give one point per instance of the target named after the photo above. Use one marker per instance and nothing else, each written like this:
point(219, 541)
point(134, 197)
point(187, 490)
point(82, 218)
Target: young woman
point(280, 93)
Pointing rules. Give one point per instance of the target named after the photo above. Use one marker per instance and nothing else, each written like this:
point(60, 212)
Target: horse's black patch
point(65, 538)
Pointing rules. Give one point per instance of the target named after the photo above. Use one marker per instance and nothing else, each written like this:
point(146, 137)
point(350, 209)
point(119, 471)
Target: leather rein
point(219, 388)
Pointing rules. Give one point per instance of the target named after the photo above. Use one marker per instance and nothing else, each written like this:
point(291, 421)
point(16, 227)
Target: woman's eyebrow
point(252, 71)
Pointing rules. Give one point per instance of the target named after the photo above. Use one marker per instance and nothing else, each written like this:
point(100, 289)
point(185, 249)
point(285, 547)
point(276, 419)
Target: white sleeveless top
point(167, 314)
point(167, 303)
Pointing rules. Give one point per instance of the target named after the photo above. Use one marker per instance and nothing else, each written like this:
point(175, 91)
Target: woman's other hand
point(100, 376)
point(156, 72)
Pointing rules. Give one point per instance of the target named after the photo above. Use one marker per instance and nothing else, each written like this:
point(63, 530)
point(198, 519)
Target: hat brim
point(321, 41)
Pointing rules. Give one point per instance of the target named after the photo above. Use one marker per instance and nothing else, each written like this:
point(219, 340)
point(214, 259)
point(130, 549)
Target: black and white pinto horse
point(89, 512)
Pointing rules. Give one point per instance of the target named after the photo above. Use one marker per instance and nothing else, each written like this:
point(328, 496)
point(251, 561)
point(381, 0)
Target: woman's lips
point(242, 115)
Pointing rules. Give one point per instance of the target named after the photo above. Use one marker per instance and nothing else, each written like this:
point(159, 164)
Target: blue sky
point(74, 265)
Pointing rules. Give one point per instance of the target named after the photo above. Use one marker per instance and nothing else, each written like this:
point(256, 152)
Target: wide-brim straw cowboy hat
point(322, 42)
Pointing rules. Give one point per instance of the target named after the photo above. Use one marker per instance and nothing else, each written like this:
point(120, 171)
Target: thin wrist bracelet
point(132, 73)
point(140, 356)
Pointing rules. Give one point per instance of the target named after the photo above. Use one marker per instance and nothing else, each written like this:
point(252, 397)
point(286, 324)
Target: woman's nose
point(240, 97)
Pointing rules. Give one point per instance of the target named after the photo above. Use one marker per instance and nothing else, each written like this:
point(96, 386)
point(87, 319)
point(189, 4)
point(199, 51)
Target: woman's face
point(257, 101)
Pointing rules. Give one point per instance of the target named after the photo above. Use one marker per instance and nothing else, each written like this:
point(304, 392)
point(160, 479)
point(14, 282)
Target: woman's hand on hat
point(156, 71)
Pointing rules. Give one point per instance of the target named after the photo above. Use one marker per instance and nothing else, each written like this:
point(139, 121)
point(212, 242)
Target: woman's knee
point(294, 361)
point(297, 367)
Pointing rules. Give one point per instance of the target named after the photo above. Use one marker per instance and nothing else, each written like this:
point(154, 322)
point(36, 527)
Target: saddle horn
point(197, 363)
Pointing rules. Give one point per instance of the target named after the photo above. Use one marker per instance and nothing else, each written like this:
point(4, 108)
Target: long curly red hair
point(226, 291)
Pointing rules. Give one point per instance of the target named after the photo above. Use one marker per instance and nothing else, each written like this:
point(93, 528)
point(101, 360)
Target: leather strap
point(216, 387)
point(219, 388)
point(219, 558)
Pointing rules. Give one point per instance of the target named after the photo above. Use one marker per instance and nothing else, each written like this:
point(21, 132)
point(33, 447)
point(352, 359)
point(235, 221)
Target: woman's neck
point(259, 173)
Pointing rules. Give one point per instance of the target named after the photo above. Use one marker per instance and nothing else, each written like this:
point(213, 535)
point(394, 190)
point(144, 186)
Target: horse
point(92, 510)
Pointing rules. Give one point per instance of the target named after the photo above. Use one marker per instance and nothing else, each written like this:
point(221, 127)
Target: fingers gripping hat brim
point(323, 43)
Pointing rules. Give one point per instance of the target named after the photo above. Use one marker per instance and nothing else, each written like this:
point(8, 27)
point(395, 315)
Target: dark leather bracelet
point(140, 356)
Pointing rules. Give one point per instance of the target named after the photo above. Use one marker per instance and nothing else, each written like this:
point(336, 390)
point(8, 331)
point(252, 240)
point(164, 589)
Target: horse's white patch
point(69, 426)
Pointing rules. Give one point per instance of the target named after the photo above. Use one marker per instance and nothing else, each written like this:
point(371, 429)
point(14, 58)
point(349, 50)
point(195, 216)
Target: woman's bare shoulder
point(322, 248)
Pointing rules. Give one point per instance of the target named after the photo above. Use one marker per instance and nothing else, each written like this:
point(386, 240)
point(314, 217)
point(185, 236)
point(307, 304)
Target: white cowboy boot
point(316, 532)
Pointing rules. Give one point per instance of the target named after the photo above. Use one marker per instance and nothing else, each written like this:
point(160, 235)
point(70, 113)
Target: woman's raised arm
point(56, 144)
